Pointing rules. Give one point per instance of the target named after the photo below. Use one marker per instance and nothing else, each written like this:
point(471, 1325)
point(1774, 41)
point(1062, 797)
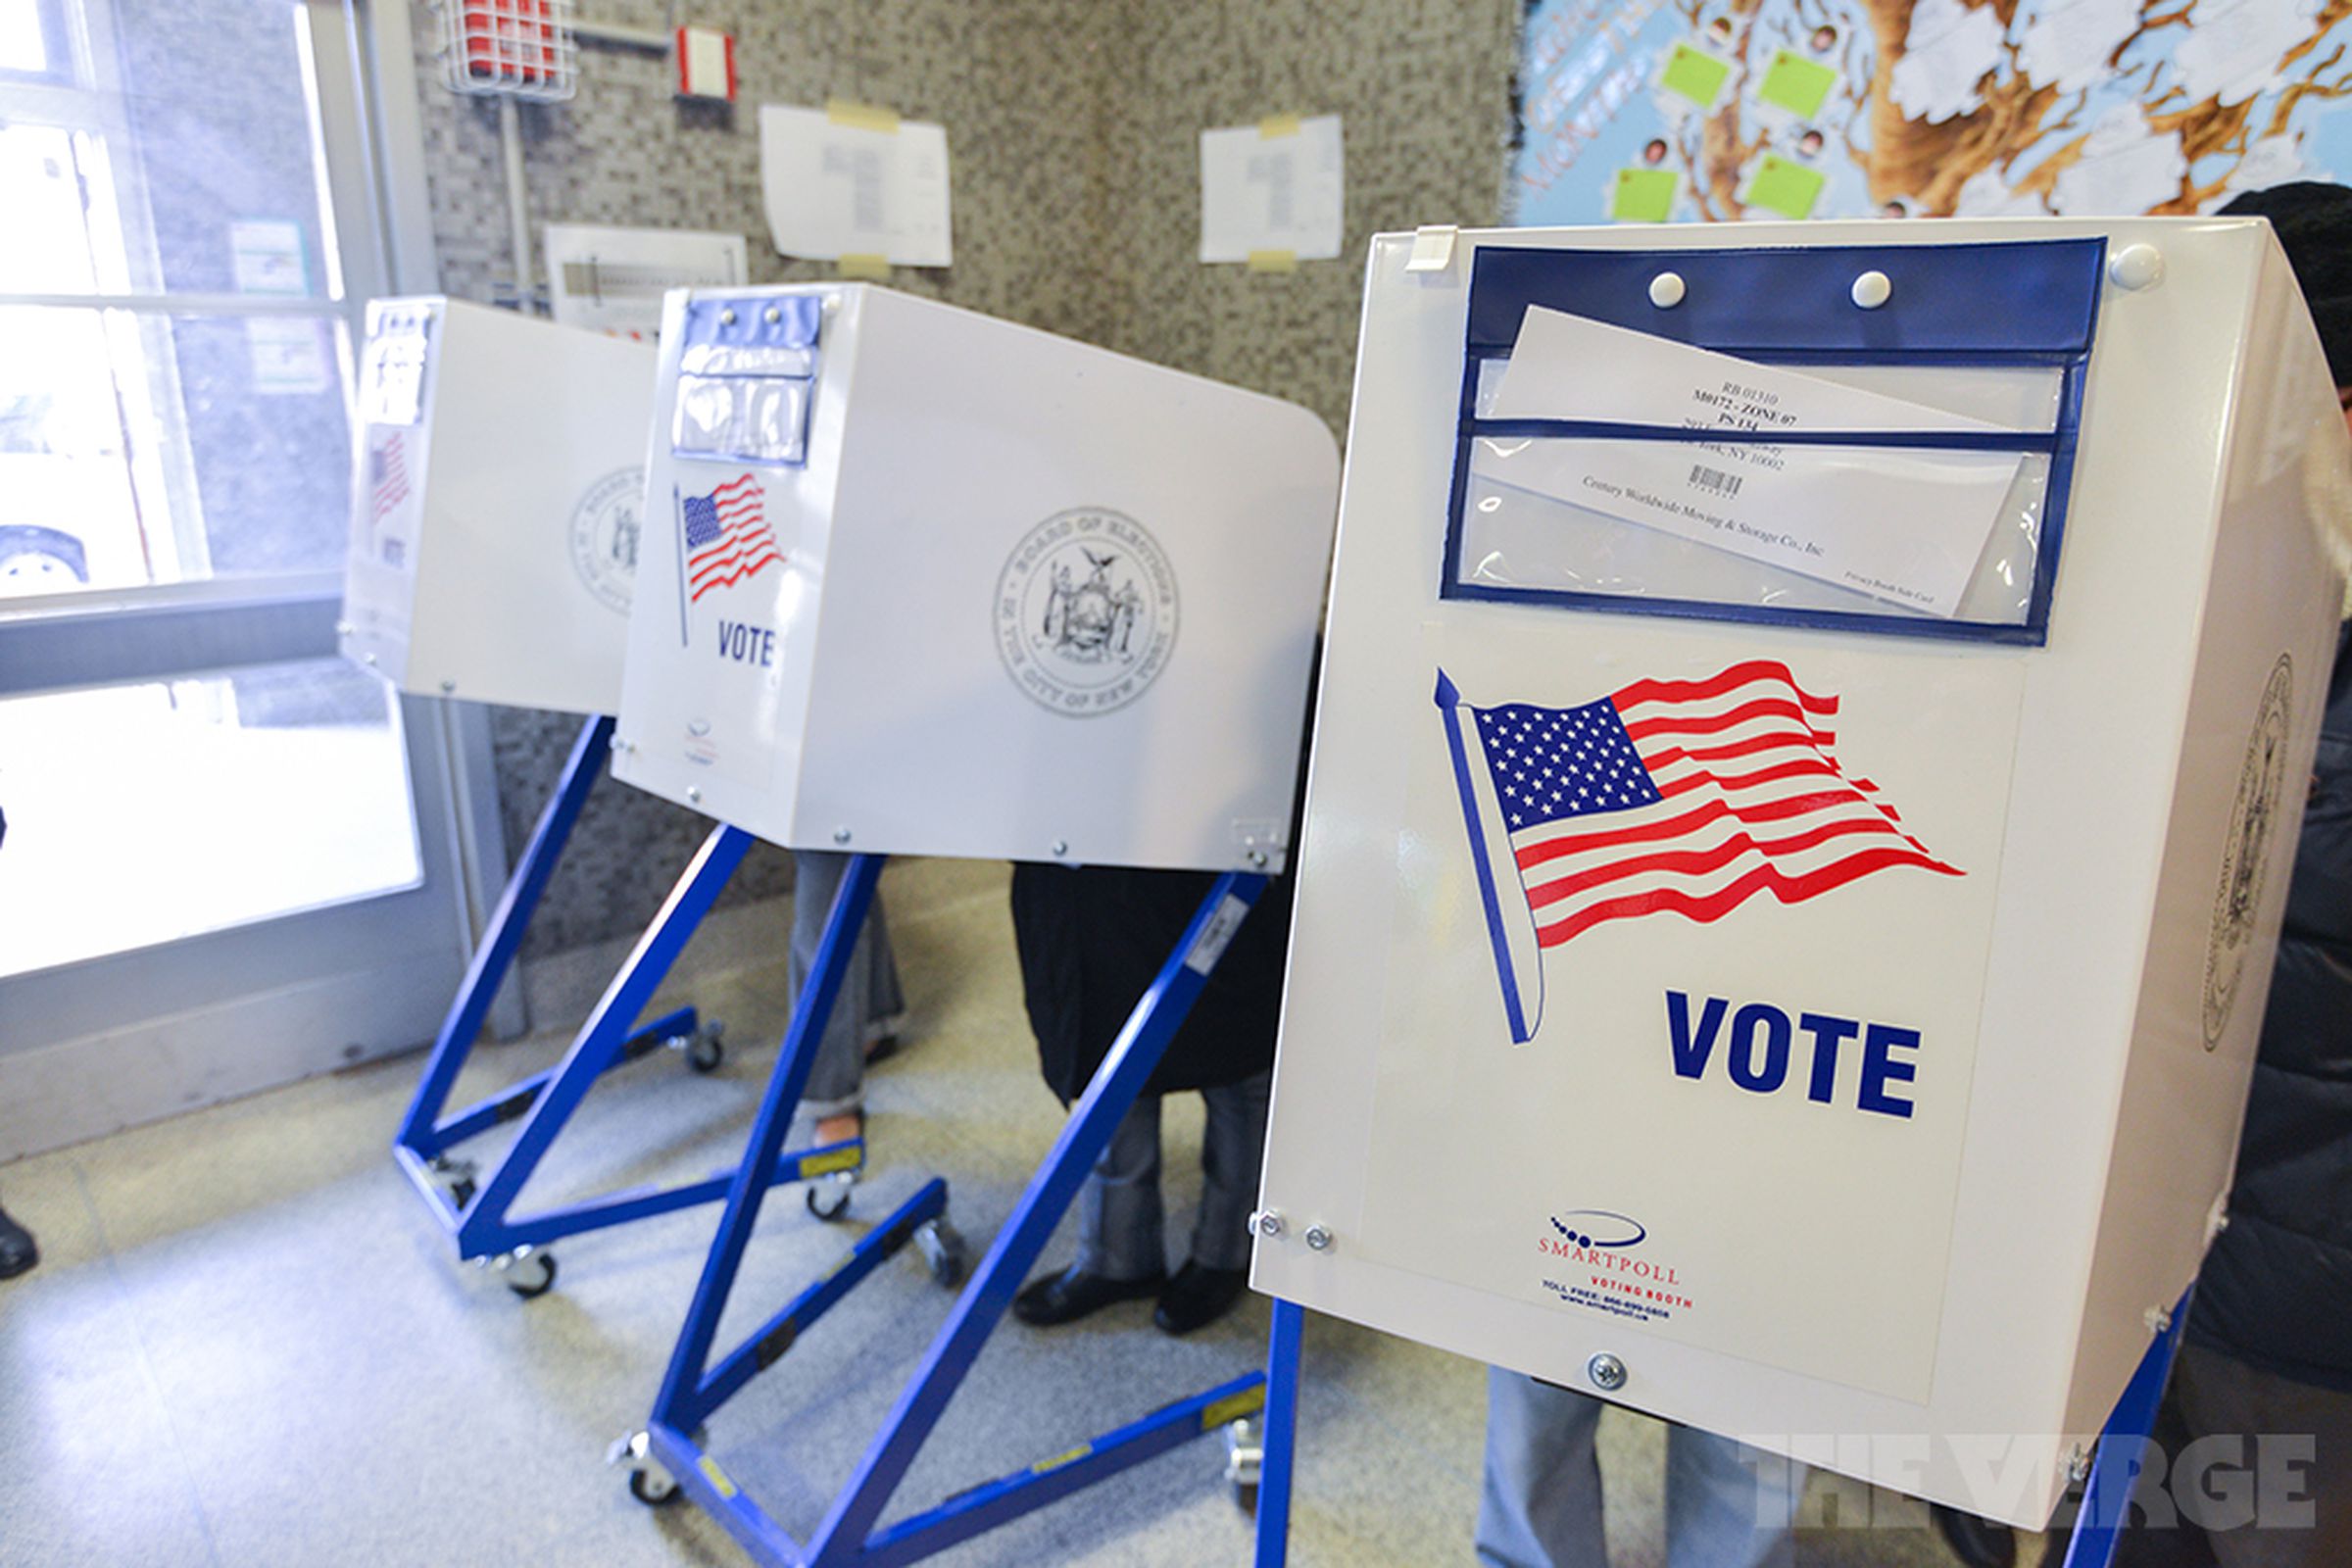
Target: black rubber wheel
point(546, 1282)
point(947, 1269)
point(1244, 1497)
point(461, 1191)
point(642, 1487)
point(828, 1202)
point(705, 1051)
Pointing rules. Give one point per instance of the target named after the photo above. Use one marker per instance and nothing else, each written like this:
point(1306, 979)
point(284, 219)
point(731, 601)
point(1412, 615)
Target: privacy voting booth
point(918, 581)
point(493, 543)
point(1810, 750)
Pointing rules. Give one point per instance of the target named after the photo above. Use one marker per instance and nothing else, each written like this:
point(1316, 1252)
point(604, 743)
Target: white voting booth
point(1813, 732)
point(494, 521)
point(920, 581)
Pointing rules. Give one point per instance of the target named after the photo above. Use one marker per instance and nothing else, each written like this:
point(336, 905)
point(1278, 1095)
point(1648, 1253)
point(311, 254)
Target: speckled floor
point(248, 1344)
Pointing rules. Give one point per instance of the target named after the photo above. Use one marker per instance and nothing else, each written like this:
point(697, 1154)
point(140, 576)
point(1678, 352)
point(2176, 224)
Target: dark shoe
point(1977, 1542)
point(17, 1251)
point(1070, 1294)
point(1197, 1297)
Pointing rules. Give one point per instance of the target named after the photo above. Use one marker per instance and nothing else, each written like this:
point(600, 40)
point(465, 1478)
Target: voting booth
point(1811, 743)
point(921, 581)
point(495, 508)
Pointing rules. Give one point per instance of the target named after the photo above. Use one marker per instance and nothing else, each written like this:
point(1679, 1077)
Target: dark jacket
point(1092, 940)
point(2277, 1289)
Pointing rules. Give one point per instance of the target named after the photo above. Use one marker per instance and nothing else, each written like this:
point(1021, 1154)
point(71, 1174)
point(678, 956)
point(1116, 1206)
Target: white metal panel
point(492, 558)
point(1040, 600)
point(2056, 774)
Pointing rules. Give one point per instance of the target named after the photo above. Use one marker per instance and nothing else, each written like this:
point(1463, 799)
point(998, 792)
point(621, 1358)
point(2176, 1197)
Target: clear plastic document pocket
point(746, 376)
point(1749, 457)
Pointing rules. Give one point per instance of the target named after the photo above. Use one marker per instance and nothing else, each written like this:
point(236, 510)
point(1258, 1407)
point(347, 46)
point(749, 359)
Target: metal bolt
point(1606, 1372)
point(367, 660)
point(726, 318)
point(1258, 857)
point(2159, 1319)
point(448, 686)
point(344, 628)
point(840, 835)
point(616, 743)
point(1318, 1237)
point(1061, 847)
point(1266, 1222)
point(695, 795)
point(2078, 1465)
point(775, 316)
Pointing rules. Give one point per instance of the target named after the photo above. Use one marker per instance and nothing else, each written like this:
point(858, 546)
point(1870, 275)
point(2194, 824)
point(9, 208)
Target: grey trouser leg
point(1233, 1146)
point(869, 991)
point(1539, 1504)
point(1121, 1225)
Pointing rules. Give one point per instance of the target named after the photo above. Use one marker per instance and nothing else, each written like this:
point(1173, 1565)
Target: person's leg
point(1539, 1504)
point(885, 1011)
point(836, 1088)
point(18, 1253)
point(1122, 1246)
point(1232, 1145)
point(1729, 1505)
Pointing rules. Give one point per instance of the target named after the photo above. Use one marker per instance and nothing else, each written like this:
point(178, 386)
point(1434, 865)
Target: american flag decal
point(388, 476)
point(1681, 797)
point(727, 536)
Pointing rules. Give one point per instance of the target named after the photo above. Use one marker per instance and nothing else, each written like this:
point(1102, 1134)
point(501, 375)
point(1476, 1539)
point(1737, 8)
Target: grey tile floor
point(248, 1344)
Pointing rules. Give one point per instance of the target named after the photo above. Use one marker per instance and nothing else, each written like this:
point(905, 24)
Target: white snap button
point(1872, 290)
point(2137, 267)
point(1666, 290)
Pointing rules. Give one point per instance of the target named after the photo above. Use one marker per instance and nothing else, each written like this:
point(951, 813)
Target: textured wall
point(1073, 128)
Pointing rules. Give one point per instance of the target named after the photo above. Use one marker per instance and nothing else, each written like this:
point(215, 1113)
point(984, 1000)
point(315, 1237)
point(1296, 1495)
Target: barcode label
point(1715, 480)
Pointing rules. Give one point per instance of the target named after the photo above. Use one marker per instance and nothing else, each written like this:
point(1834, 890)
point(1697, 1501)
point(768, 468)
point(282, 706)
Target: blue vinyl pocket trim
point(2013, 304)
point(747, 373)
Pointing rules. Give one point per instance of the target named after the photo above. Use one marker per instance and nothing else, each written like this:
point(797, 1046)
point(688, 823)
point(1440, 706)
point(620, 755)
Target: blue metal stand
point(477, 1213)
point(2107, 1495)
point(667, 1457)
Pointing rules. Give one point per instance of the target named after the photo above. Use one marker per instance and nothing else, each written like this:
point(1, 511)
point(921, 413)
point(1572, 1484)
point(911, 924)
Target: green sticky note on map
point(1694, 74)
point(1785, 186)
point(1797, 84)
point(1644, 195)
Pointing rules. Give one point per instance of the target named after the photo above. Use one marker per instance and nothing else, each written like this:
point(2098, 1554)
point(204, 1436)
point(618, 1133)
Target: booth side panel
point(2265, 643)
point(533, 511)
point(1049, 552)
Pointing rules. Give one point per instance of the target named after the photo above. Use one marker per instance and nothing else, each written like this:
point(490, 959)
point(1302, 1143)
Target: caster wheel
point(1244, 1497)
point(461, 1191)
point(943, 1252)
point(829, 1198)
point(530, 1274)
point(652, 1488)
point(705, 1049)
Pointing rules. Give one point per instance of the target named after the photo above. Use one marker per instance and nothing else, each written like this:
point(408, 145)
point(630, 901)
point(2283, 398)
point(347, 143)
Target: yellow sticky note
point(860, 263)
point(863, 116)
point(1274, 125)
point(1273, 260)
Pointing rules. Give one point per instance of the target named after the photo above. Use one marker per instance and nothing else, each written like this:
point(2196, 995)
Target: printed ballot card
point(1272, 188)
point(847, 180)
point(1906, 525)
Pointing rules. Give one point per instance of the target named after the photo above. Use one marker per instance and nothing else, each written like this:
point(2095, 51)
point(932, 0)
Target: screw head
point(694, 793)
point(726, 318)
point(1606, 1372)
point(344, 628)
point(840, 835)
point(1266, 1222)
point(773, 315)
point(448, 686)
point(1258, 857)
point(1318, 1237)
point(2159, 1319)
point(1061, 847)
point(2078, 1465)
point(367, 660)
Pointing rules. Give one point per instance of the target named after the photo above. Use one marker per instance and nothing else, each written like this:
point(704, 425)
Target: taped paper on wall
point(850, 185)
point(1271, 187)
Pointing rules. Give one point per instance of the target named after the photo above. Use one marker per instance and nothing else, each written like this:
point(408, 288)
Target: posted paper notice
point(1271, 188)
point(834, 188)
point(1902, 524)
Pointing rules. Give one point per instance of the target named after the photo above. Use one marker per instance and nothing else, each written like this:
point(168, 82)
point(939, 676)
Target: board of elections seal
point(604, 537)
point(2246, 850)
point(1086, 611)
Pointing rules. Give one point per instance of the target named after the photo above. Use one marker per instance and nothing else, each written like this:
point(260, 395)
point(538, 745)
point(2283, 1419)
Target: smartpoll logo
point(1590, 1262)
